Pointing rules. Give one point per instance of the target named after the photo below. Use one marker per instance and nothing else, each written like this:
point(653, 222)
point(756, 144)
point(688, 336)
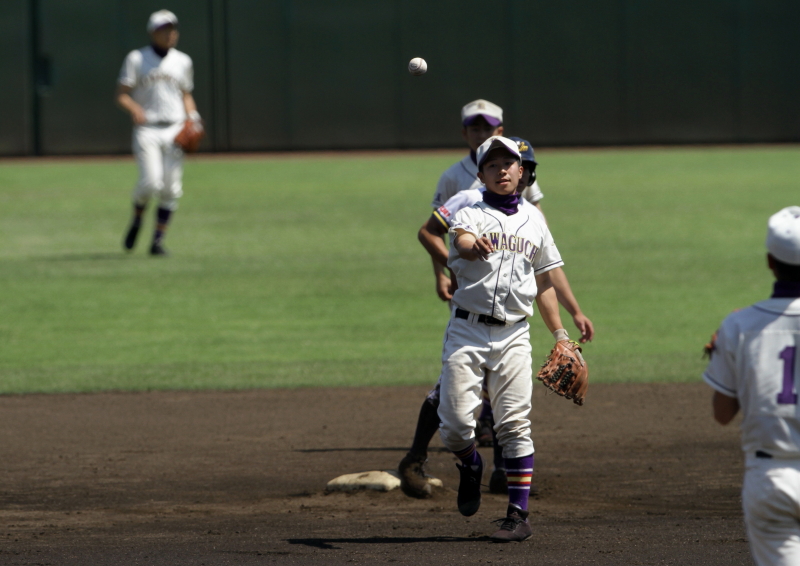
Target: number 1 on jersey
point(787, 396)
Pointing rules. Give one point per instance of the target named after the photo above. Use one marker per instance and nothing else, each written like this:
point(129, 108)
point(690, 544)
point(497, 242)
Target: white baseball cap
point(161, 18)
point(493, 143)
point(492, 113)
point(783, 235)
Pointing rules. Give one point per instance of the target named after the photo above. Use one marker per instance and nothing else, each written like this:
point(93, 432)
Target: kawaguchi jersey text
point(503, 285)
point(510, 242)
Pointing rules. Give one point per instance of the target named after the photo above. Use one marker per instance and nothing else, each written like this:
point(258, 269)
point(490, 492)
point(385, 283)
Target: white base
point(375, 480)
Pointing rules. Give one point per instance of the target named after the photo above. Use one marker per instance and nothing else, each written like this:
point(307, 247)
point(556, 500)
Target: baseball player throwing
point(754, 368)
point(501, 254)
point(414, 481)
point(155, 87)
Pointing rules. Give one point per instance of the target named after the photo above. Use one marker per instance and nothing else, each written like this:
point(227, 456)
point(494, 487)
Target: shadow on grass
point(87, 256)
point(328, 543)
point(384, 449)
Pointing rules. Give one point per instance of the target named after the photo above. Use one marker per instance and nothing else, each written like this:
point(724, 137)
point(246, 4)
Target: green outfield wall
point(321, 74)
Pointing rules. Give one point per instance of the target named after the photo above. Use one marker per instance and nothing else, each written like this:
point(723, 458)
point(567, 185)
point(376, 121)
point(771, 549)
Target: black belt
point(485, 319)
point(762, 454)
point(161, 124)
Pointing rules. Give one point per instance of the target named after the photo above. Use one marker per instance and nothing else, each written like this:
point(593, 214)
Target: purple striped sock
point(469, 456)
point(519, 472)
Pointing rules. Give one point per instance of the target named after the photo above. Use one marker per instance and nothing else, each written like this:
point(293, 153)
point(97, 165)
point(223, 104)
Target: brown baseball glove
point(565, 371)
point(190, 136)
point(711, 347)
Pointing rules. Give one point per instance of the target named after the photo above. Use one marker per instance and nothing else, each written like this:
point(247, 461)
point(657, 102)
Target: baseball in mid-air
point(417, 66)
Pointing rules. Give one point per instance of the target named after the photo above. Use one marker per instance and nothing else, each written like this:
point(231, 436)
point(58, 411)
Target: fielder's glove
point(192, 133)
point(565, 371)
point(711, 347)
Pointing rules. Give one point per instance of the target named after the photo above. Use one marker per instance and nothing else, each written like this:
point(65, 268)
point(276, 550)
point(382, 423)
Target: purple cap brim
point(491, 120)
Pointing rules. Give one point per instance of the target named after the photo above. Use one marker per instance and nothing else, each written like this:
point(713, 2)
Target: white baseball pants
point(771, 502)
point(501, 355)
point(160, 164)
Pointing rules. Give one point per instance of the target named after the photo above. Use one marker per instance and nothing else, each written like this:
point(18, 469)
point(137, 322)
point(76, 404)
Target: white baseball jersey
point(756, 360)
point(158, 83)
point(462, 199)
point(503, 286)
point(463, 176)
point(460, 176)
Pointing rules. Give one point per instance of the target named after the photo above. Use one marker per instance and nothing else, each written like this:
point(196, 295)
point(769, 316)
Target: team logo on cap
point(481, 106)
point(523, 146)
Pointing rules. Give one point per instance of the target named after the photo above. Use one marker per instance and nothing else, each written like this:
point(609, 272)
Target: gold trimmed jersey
point(504, 285)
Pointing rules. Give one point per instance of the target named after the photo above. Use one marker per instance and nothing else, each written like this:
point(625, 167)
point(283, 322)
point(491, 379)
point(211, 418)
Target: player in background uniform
point(501, 253)
point(155, 86)
point(754, 367)
point(414, 481)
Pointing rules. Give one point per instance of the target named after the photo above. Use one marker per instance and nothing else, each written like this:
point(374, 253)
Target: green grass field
point(306, 270)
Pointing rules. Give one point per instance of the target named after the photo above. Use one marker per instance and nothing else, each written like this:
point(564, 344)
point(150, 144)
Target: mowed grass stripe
point(306, 271)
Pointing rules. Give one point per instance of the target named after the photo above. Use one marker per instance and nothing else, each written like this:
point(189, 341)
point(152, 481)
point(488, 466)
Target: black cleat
point(469, 489)
point(514, 528)
point(158, 250)
point(413, 480)
point(130, 237)
point(498, 483)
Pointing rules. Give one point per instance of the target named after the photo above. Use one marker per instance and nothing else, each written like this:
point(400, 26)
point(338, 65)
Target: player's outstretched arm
point(547, 302)
point(567, 298)
point(127, 103)
point(471, 248)
point(725, 408)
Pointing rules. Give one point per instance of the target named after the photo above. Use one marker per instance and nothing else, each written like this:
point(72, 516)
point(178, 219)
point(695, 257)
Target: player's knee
point(149, 185)
point(456, 434)
point(170, 204)
point(172, 191)
point(512, 431)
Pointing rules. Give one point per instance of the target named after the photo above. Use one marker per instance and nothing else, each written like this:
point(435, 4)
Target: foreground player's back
point(758, 345)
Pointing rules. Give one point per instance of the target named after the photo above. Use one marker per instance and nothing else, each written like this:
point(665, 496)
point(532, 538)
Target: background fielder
point(754, 366)
point(155, 86)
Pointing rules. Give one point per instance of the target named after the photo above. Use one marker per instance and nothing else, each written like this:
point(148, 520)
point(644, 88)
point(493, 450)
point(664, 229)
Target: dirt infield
point(640, 475)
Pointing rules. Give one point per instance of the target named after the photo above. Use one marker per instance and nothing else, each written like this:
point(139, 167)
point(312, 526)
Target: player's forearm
point(439, 270)
point(725, 408)
point(434, 245)
point(190, 106)
point(547, 304)
point(127, 103)
point(564, 291)
point(465, 246)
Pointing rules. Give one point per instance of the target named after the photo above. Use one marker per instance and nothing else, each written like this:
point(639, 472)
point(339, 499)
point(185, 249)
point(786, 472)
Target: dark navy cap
point(525, 149)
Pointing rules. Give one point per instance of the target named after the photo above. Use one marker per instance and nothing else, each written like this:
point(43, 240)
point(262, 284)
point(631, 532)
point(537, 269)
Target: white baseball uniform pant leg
point(472, 352)
point(160, 164)
point(771, 503)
